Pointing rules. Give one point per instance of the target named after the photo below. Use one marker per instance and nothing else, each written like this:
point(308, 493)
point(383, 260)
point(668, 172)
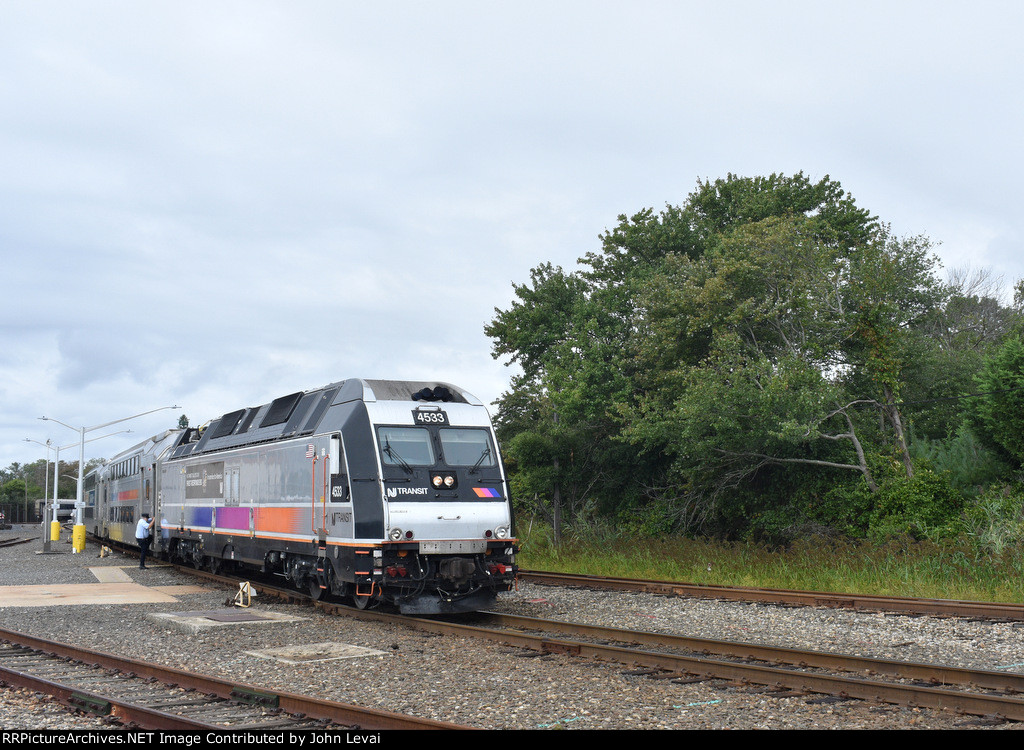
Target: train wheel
point(314, 589)
point(364, 602)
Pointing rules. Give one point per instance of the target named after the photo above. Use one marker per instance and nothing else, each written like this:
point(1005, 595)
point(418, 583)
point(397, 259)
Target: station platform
point(113, 586)
point(63, 592)
point(92, 577)
point(62, 577)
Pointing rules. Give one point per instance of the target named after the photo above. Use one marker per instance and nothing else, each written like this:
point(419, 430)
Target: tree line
point(765, 361)
point(22, 485)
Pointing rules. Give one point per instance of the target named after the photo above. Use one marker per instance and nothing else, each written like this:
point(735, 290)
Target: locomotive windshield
point(466, 447)
point(406, 447)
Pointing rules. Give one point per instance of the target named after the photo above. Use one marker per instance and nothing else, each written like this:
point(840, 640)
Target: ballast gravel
point(488, 686)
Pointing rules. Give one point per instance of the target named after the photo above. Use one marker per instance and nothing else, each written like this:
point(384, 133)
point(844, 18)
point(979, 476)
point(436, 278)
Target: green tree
point(795, 338)
point(996, 413)
point(960, 334)
point(605, 347)
point(13, 492)
point(775, 344)
point(555, 422)
point(765, 353)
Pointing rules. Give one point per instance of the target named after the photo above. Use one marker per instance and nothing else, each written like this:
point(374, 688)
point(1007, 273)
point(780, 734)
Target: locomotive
point(375, 491)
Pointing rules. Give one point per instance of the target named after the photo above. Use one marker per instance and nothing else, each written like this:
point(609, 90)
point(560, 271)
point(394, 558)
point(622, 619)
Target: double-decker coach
point(127, 486)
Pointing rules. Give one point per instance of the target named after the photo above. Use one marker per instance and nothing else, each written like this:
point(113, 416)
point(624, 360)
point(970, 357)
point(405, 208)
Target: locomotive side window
point(340, 490)
point(406, 446)
point(466, 447)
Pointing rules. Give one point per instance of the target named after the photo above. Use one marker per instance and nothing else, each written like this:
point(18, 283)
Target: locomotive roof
point(301, 413)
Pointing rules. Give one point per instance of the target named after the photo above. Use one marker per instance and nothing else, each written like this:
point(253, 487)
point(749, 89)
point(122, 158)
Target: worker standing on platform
point(144, 536)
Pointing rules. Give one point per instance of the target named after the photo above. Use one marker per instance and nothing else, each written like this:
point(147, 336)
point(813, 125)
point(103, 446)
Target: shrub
point(962, 458)
point(995, 519)
point(924, 506)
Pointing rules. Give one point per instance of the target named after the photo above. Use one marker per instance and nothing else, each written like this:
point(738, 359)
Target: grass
point(959, 570)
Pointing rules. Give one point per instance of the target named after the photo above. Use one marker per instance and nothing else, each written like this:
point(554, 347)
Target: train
point(377, 492)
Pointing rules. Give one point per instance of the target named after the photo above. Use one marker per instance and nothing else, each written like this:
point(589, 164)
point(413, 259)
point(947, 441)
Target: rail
point(909, 605)
point(23, 654)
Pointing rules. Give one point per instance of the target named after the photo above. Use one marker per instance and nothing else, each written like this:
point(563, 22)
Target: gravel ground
point(491, 686)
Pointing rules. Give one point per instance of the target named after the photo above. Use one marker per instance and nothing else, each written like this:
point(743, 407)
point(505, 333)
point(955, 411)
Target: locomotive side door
point(339, 504)
point(147, 502)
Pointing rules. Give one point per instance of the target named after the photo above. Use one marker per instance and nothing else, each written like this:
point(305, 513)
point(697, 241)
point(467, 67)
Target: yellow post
point(78, 538)
point(55, 531)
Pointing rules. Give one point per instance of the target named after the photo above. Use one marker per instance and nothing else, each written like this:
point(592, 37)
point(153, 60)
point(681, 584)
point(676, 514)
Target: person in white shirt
point(144, 536)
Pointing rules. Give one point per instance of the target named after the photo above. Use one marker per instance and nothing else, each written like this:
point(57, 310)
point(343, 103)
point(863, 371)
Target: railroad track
point(972, 692)
point(137, 694)
point(686, 659)
point(905, 605)
point(16, 540)
point(863, 602)
point(993, 695)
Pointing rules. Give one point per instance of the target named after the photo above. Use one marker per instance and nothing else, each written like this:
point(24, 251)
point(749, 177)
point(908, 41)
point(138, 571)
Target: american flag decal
point(310, 450)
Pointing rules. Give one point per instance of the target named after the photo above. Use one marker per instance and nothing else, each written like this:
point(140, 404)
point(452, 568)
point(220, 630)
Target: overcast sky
point(212, 204)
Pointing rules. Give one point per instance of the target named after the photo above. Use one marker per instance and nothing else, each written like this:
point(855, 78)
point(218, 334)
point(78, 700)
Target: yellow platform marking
point(80, 593)
point(109, 574)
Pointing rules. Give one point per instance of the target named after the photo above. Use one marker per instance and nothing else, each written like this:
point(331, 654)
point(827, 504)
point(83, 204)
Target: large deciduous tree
point(765, 333)
point(800, 340)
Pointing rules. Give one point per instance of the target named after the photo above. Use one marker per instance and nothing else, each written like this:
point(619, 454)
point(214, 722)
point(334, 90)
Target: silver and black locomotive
point(377, 491)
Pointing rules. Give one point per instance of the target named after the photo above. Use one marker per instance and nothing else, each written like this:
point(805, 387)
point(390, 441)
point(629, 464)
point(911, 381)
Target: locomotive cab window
point(466, 447)
point(406, 446)
point(341, 492)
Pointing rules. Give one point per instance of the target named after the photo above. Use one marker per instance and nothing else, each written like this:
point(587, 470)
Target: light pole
point(54, 532)
point(78, 534)
point(46, 492)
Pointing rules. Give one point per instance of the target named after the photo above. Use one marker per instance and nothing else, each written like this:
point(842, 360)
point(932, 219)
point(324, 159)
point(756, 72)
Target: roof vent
point(440, 393)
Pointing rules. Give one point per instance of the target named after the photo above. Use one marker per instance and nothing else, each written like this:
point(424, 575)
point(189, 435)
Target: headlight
point(444, 480)
point(501, 532)
point(395, 535)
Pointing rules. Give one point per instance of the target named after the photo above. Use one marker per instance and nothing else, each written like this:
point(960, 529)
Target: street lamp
point(46, 474)
point(78, 534)
point(54, 532)
point(46, 492)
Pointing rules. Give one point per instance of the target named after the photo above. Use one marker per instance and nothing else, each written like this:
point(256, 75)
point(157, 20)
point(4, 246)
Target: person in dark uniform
point(144, 536)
